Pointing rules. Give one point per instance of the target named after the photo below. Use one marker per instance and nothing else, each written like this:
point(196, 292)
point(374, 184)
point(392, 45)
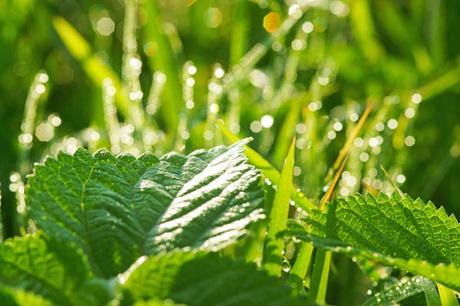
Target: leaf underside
point(395, 231)
point(119, 208)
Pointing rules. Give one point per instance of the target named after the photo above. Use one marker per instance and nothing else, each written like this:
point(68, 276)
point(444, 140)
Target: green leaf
point(156, 302)
point(404, 289)
point(204, 279)
point(96, 292)
point(277, 222)
point(302, 263)
point(119, 208)
point(17, 297)
point(38, 264)
point(447, 296)
point(286, 132)
point(268, 170)
point(395, 231)
point(320, 276)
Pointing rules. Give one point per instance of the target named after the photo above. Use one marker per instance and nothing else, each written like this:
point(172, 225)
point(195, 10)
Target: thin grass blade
point(277, 221)
point(447, 296)
point(267, 169)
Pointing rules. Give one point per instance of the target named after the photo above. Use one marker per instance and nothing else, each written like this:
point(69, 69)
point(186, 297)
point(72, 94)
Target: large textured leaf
point(396, 231)
point(37, 264)
point(199, 279)
point(119, 208)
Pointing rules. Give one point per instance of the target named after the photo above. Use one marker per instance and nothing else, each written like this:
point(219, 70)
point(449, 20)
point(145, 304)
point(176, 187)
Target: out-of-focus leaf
point(43, 267)
point(164, 60)
point(205, 279)
point(286, 133)
point(18, 297)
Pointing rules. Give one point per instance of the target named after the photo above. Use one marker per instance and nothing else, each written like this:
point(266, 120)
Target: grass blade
point(286, 132)
point(302, 262)
point(277, 221)
point(320, 276)
point(95, 68)
point(443, 82)
point(354, 133)
point(36, 92)
point(321, 267)
point(447, 296)
point(164, 61)
point(132, 65)
point(364, 30)
point(328, 195)
point(267, 169)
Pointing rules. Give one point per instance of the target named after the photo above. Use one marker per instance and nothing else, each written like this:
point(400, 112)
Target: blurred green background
point(269, 69)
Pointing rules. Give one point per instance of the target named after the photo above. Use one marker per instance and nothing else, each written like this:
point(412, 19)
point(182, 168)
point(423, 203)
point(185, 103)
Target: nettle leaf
point(395, 231)
point(37, 264)
point(119, 208)
point(404, 289)
point(17, 297)
point(202, 279)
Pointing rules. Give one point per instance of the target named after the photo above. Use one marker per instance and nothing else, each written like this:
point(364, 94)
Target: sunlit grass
point(346, 82)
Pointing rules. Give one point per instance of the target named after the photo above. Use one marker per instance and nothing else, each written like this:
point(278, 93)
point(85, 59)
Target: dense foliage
point(246, 152)
point(124, 230)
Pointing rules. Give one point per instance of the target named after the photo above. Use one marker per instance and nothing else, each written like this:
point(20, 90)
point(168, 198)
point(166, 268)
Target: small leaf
point(119, 208)
point(199, 279)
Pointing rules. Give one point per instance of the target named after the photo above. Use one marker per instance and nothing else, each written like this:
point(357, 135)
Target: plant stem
point(302, 262)
point(320, 276)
